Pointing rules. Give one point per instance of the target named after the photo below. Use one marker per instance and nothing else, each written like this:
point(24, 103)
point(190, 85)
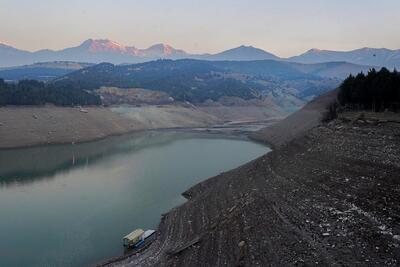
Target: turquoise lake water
point(70, 205)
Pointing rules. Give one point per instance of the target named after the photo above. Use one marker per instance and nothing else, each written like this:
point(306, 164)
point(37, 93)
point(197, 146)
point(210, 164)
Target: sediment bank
point(31, 126)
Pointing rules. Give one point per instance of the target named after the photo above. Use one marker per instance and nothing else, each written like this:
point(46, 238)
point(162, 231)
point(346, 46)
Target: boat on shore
point(138, 238)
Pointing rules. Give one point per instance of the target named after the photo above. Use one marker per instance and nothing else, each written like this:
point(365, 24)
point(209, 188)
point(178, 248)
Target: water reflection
point(27, 165)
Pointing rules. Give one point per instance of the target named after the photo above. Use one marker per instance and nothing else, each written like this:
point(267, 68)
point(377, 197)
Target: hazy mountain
point(104, 50)
point(163, 51)
point(94, 51)
point(331, 69)
point(364, 56)
point(43, 71)
point(243, 53)
point(10, 56)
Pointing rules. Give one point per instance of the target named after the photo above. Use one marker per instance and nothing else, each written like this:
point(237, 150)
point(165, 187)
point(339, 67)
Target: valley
point(154, 95)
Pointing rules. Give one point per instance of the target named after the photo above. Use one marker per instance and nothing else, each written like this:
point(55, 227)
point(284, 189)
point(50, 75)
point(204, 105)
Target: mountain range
point(93, 51)
point(103, 50)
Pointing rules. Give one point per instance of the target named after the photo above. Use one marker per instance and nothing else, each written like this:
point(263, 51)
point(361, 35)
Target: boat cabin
point(138, 238)
point(132, 238)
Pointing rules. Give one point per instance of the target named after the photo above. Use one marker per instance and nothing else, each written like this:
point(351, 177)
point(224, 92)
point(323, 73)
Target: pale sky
point(282, 27)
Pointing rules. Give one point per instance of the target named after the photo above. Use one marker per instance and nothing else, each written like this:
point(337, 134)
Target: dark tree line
point(378, 90)
point(32, 92)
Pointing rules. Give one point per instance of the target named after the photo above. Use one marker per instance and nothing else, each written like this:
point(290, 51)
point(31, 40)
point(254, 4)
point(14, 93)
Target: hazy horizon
point(284, 28)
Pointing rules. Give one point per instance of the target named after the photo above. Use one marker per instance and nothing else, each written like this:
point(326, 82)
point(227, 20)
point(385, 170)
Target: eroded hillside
point(330, 197)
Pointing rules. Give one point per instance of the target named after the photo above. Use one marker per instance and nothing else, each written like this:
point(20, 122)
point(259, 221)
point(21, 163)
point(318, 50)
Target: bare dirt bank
point(29, 126)
point(168, 116)
point(298, 123)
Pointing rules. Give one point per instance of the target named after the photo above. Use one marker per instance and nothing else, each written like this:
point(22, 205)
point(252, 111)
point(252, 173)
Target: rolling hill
point(199, 80)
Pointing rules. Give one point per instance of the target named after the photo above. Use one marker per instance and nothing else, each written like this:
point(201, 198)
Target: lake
point(70, 205)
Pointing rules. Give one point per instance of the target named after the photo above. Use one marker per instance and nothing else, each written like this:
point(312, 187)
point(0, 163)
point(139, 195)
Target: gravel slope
point(298, 123)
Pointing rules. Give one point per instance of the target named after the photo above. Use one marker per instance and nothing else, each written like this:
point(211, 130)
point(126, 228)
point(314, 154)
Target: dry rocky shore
point(32, 126)
point(330, 196)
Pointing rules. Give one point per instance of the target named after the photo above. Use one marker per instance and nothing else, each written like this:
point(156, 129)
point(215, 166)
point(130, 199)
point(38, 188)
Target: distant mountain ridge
point(42, 71)
point(93, 51)
point(381, 57)
point(104, 50)
point(241, 53)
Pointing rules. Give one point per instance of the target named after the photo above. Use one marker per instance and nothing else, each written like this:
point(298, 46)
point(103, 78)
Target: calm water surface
point(69, 205)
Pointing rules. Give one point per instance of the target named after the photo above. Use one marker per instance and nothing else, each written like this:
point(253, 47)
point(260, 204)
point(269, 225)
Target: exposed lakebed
point(70, 205)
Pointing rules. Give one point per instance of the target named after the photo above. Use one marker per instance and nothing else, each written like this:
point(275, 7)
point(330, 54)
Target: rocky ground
point(328, 197)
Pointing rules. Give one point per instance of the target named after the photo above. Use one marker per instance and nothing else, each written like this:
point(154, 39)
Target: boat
point(148, 233)
point(138, 238)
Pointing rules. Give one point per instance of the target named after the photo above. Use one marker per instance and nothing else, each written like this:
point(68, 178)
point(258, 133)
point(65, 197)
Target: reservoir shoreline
point(24, 127)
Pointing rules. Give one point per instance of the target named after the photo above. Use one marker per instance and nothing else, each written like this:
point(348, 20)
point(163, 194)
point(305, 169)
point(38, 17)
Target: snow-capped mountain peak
point(162, 50)
point(102, 45)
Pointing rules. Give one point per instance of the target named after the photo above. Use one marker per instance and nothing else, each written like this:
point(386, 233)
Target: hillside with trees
point(32, 92)
point(377, 91)
point(199, 80)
